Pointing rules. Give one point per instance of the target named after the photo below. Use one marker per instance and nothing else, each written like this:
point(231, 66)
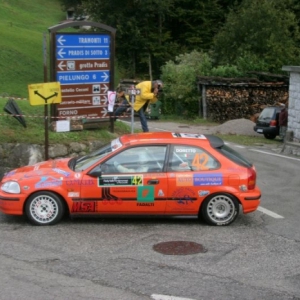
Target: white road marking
point(269, 213)
point(166, 297)
point(279, 155)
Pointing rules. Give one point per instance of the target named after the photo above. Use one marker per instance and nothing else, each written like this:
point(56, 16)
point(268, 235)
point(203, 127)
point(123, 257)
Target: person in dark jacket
point(123, 103)
point(283, 120)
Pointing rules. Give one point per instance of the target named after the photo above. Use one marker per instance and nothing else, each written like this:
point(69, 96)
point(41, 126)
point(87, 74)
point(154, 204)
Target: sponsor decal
point(35, 174)
point(145, 194)
point(161, 193)
point(123, 190)
point(189, 135)
point(184, 180)
point(9, 174)
point(84, 207)
point(115, 144)
point(109, 198)
point(86, 182)
point(208, 179)
point(243, 188)
point(184, 196)
point(185, 150)
point(61, 172)
point(48, 181)
point(73, 194)
point(203, 193)
point(145, 204)
point(122, 180)
point(77, 175)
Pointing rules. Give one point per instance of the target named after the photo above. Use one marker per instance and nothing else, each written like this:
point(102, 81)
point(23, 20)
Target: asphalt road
point(256, 257)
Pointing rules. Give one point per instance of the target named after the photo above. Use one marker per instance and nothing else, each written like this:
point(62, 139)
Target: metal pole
point(46, 105)
point(132, 98)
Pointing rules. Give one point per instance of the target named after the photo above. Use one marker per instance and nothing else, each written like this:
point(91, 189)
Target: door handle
point(153, 181)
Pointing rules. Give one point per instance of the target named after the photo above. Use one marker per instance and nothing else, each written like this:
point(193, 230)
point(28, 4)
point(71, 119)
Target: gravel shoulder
point(238, 127)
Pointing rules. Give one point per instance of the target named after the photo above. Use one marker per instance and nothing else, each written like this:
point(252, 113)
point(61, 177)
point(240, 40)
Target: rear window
point(234, 156)
point(267, 113)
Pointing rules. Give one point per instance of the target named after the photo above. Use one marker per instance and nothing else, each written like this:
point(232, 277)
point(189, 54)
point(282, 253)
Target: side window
point(136, 160)
point(189, 158)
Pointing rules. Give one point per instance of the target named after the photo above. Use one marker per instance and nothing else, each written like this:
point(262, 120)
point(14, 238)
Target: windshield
point(84, 162)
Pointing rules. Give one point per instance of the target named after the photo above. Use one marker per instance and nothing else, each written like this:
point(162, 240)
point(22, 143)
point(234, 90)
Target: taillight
point(251, 178)
point(273, 123)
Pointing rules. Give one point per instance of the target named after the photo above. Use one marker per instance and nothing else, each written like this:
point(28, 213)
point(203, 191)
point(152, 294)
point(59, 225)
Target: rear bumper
point(250, 200)
point(266, 130)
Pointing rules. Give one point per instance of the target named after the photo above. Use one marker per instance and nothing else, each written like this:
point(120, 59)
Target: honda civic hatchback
point(153, 173)
point(268, 122)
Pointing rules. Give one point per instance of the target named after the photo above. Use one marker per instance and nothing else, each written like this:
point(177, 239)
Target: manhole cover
point(179, 248)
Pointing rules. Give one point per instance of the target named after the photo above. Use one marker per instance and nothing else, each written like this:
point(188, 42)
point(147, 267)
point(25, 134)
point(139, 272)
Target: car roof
point(171, 137)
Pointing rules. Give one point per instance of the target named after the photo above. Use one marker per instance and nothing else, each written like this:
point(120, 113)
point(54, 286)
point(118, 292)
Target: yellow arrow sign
point(44, 93)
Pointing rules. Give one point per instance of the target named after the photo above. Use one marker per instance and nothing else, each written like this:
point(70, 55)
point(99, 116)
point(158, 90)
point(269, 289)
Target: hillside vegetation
point(22, 25)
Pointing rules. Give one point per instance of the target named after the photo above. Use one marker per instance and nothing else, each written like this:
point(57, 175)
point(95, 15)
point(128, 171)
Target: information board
point(82, 66)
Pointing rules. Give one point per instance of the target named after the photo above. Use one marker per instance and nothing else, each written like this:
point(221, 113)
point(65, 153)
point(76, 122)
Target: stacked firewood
point(227, 102)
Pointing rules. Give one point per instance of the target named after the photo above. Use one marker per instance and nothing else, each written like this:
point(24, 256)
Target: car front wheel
point(44, 208)
point(219, 209)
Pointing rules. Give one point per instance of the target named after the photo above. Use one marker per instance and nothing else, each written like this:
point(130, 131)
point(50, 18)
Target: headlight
point(11, 187)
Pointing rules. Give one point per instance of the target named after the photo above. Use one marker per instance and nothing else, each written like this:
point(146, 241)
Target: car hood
point(57, 168)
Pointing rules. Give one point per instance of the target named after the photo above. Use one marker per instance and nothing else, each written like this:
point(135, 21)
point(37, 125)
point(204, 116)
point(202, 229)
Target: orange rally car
point(153, 173)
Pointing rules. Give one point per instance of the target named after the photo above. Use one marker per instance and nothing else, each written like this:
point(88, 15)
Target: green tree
point(180, 90)
point(264, 30)
point(151, 32)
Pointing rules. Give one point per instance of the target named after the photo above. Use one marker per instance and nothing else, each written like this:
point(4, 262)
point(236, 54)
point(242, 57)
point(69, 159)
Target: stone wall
point(16, 155)
point(292, 142)
point(294, 106)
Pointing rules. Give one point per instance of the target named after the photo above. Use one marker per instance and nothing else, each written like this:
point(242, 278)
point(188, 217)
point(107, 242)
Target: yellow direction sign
point(44, 93)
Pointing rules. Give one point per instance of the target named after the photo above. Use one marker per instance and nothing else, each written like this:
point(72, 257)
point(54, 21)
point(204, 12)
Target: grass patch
point(248, 140)
point(22, 24)
point(34, 133)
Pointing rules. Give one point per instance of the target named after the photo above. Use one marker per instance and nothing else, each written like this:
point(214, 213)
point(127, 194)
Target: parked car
point(153, 173)
point(267, 122)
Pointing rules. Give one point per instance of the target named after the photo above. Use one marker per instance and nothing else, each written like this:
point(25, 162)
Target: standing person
point(283, 119)
point(148, 93)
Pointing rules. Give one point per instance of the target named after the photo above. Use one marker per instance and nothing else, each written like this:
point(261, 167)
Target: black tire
point(44, 208)
point(270, 136)
point(219, 209)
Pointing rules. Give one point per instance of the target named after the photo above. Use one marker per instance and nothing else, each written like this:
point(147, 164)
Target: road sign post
point(132, 92)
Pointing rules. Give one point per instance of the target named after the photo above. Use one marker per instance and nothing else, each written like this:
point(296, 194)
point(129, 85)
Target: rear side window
point(234, 156)
point(189, 158)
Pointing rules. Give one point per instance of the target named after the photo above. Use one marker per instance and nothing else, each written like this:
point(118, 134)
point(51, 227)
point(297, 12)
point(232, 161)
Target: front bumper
point(11, 205)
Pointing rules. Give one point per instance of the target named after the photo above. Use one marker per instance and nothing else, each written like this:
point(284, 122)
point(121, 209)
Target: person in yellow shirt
point(148, 94)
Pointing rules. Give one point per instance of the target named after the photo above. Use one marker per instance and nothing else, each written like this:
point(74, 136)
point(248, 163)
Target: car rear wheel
point(44, 208)
point(270, 136)
point(220, 209)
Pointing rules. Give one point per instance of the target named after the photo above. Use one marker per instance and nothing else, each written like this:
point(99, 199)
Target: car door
point(192, 175)
point(128, 185)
